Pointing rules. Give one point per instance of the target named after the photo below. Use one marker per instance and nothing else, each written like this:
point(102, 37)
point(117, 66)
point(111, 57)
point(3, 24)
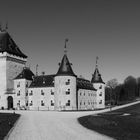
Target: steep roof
point(25, 74)
point(43, 81)
point(96, 77)
point(7, 44)
point(65, 67)
point(84, 84)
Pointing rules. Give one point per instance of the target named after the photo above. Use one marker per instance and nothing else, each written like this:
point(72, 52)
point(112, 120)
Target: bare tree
point(130, 87)
point(112, 84)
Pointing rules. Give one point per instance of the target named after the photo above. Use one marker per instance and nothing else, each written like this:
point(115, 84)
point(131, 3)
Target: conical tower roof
point(8, 45)
point(96, 77)
point(65, 67)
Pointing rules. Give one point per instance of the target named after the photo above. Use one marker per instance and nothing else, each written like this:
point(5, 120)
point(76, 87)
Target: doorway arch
point(10, 102)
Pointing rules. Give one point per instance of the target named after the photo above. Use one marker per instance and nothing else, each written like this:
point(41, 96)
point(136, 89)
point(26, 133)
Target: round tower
point(99, 85)
point(65, 85)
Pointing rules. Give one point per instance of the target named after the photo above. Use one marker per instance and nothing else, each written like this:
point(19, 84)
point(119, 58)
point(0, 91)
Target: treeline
point(128, 91)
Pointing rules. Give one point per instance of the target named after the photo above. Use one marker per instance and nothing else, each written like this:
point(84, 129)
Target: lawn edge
point(11, 130)
point(107, 110)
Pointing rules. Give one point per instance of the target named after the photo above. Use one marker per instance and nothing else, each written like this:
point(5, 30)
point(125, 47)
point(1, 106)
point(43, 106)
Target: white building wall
point(36, 98)
point(14, 66)
point(61, 98)
point(3, 82)
point(10, 67)
point(100, 95)
point(21, 92)
point(86, 99)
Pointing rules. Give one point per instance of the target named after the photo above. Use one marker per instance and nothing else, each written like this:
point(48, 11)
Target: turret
point(65, 85)
point(99, 85)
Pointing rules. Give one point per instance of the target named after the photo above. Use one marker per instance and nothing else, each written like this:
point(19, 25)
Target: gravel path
point(34, 125)
point(47, 125)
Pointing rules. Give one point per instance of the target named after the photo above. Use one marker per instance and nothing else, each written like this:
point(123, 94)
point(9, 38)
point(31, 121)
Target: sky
point(109, 29)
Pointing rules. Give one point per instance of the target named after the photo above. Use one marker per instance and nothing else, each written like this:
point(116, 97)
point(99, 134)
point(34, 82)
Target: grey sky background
point(109, 29)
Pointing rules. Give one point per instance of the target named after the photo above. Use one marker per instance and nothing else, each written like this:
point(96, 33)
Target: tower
point(21, 85)
point(99, 85)
point(65, 85)
point(12, 61)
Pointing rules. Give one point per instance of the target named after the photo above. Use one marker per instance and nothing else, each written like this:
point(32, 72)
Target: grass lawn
point(122, 124)
point(7, 121)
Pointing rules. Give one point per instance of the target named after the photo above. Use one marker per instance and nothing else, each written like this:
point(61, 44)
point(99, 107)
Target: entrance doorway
point(10, 102)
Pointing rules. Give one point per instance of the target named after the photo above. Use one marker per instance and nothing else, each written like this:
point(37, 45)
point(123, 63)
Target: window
point(80, 103)
point(27, 93)
point(52, 93)
point(27, 103)
point(80, 93)
point(68, 82)
point(68, 92)
point(18, 85)
point(84, 93)
point(26, 84)
point(18, 94)
point(31, 93)
point(18, 104)
point(42, 103)
point(100, 102)
point(31, 103)
point(100, 94)
point(100, 87)
point(42, 93)
point(52, 104)
point(84, 103)
point(68, 103)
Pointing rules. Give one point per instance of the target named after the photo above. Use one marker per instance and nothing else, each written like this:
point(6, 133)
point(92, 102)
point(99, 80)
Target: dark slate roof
point(25, 74)
point(7, 44)
point(43, 81)
point(96, 77)
point(84, 84)
point(65, 67)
